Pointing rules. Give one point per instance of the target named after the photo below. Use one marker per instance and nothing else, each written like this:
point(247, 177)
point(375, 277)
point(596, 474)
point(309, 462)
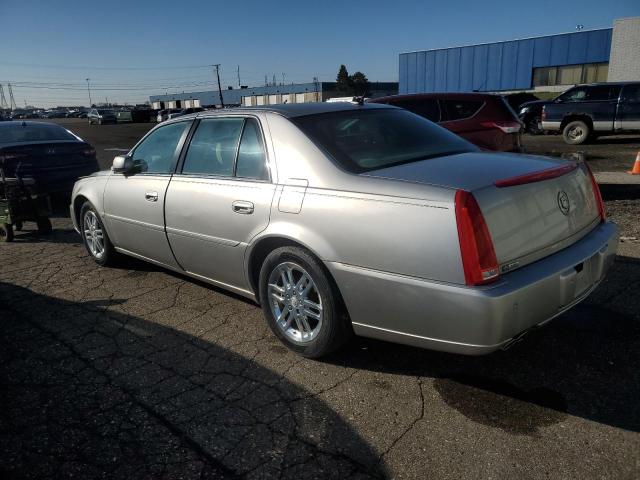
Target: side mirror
point(122, 164)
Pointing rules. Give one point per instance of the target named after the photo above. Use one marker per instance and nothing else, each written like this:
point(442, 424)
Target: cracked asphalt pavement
point(135, 372)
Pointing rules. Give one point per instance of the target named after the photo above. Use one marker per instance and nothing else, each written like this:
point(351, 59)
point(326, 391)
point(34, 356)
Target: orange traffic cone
point(636, 166)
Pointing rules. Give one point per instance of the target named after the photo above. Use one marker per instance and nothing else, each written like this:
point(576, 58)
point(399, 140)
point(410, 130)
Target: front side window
point(459, 109)
point(574, 95)
point(361, 141)
point(213, 148)
point(157, 152)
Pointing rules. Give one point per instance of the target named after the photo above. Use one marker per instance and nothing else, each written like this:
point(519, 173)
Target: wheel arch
point(577, 116)
point(265, 245)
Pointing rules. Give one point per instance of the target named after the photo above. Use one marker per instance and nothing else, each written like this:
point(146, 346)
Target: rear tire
point(6, 232)
point(576, 132)
point(301, 303)
point(95, 237)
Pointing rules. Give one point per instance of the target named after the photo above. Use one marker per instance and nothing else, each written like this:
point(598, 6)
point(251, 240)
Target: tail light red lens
point(596, 193)
point(476, 246)
point(538, 176)
point(505, 127)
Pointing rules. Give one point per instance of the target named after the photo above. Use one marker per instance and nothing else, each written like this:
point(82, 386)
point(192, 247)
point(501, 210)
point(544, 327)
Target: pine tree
point(343, 83)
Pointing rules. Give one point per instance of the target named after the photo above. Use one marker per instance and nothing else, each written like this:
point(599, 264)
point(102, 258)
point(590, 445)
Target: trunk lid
point(527, 221)
point(55, 165)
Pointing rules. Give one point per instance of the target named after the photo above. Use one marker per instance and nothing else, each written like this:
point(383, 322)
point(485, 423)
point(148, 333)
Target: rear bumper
point(549, 125)
point(475, 321)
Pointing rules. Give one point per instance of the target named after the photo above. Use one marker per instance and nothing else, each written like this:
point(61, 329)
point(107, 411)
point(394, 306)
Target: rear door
point(220, 198)
point(133, 202)
point(629, 108)
point(601, 103)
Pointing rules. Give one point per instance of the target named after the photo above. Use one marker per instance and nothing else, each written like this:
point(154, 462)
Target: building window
point(570, 74)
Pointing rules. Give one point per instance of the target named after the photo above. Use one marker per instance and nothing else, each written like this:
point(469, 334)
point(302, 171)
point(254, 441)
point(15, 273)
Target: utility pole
point(89, 90)
point(265, 80)
point(283, 78)
point(239, 76)
point(3, 100)
point(12, 100)
point(217, 66)
point(274, 79)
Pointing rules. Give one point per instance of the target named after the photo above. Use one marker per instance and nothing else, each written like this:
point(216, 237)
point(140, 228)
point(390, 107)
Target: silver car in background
point(341, 218)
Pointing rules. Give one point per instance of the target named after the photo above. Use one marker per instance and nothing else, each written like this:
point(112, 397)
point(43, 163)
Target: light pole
point(89, 90)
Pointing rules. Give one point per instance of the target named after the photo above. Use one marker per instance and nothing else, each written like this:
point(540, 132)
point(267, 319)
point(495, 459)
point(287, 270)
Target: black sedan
point(50, 154)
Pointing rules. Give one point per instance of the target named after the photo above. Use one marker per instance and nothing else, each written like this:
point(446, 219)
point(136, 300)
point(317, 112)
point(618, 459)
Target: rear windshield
point(17, 132)
point(365, 140)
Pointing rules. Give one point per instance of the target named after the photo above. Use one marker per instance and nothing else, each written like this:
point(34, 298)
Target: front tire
point(94, 236)
point(301, 304)
point(6, 232)
point(576, 132)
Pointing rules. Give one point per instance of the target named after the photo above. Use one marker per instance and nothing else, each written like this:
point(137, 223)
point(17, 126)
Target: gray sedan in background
point(342, 218)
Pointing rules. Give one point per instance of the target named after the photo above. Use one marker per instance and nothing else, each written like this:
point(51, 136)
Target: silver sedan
point(342, 218)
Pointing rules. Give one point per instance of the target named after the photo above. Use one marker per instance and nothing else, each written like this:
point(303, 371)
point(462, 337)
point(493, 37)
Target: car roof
point(425, 96)
point(290, 110)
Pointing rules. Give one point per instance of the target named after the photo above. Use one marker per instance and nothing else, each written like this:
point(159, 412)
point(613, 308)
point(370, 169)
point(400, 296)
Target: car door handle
point(240, 206)
point(151, 196)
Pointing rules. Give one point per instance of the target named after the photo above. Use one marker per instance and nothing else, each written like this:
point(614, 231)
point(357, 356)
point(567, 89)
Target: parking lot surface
point(136, 372)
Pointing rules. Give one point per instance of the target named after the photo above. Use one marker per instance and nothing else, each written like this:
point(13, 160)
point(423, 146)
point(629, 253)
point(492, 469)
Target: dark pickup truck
point(585, 111)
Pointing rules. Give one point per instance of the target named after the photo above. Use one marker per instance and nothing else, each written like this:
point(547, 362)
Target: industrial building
point(265, 95)
point(548, 63)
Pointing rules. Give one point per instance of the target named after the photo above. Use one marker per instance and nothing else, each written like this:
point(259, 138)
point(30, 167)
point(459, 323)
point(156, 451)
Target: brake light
point(538, 176)
point(596, 193)
point(476, 247)
point(506, 127)
point(89, 152)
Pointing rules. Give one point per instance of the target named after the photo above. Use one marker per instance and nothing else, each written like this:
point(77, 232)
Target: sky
point(132, 49)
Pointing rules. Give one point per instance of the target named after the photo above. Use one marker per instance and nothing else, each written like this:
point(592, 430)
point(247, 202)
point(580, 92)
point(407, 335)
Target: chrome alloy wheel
point(93, 234)
point(295, 302)
point(576, 132)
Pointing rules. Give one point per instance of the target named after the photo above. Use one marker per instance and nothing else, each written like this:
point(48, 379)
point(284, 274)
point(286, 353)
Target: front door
point(220, 198)
point(134, 202)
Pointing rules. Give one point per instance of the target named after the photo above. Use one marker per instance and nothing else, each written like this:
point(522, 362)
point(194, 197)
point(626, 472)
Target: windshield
point(362, 141)
point(105, 112)
point(17, 132)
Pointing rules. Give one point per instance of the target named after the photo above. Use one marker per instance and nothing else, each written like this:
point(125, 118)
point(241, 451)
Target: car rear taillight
point(596, 193)
point(476, 247)
point(89, 152)
point(538, 176)
point(506, 126)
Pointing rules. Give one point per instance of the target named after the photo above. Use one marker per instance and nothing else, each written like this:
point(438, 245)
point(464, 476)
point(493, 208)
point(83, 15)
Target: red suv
point(484, 119)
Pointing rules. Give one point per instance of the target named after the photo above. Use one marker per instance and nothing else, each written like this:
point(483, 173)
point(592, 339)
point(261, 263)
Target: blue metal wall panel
point(494, 66)
point(501, 65)
point(524, 68)
point(509, 63)
point(466, 69)
point(440, 84)
point(480, 55)
point(453, 70)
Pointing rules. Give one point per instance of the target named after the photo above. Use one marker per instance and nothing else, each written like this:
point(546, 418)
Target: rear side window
point(17, 132)
point(428, 109)
point(602, 92)
point(213, 148)
point(251, 156)
point(460, 109)
point(631, 93)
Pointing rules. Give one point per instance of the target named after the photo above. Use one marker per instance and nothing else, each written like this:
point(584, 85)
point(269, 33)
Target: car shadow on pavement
point(91, 390)
point(585, 363)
